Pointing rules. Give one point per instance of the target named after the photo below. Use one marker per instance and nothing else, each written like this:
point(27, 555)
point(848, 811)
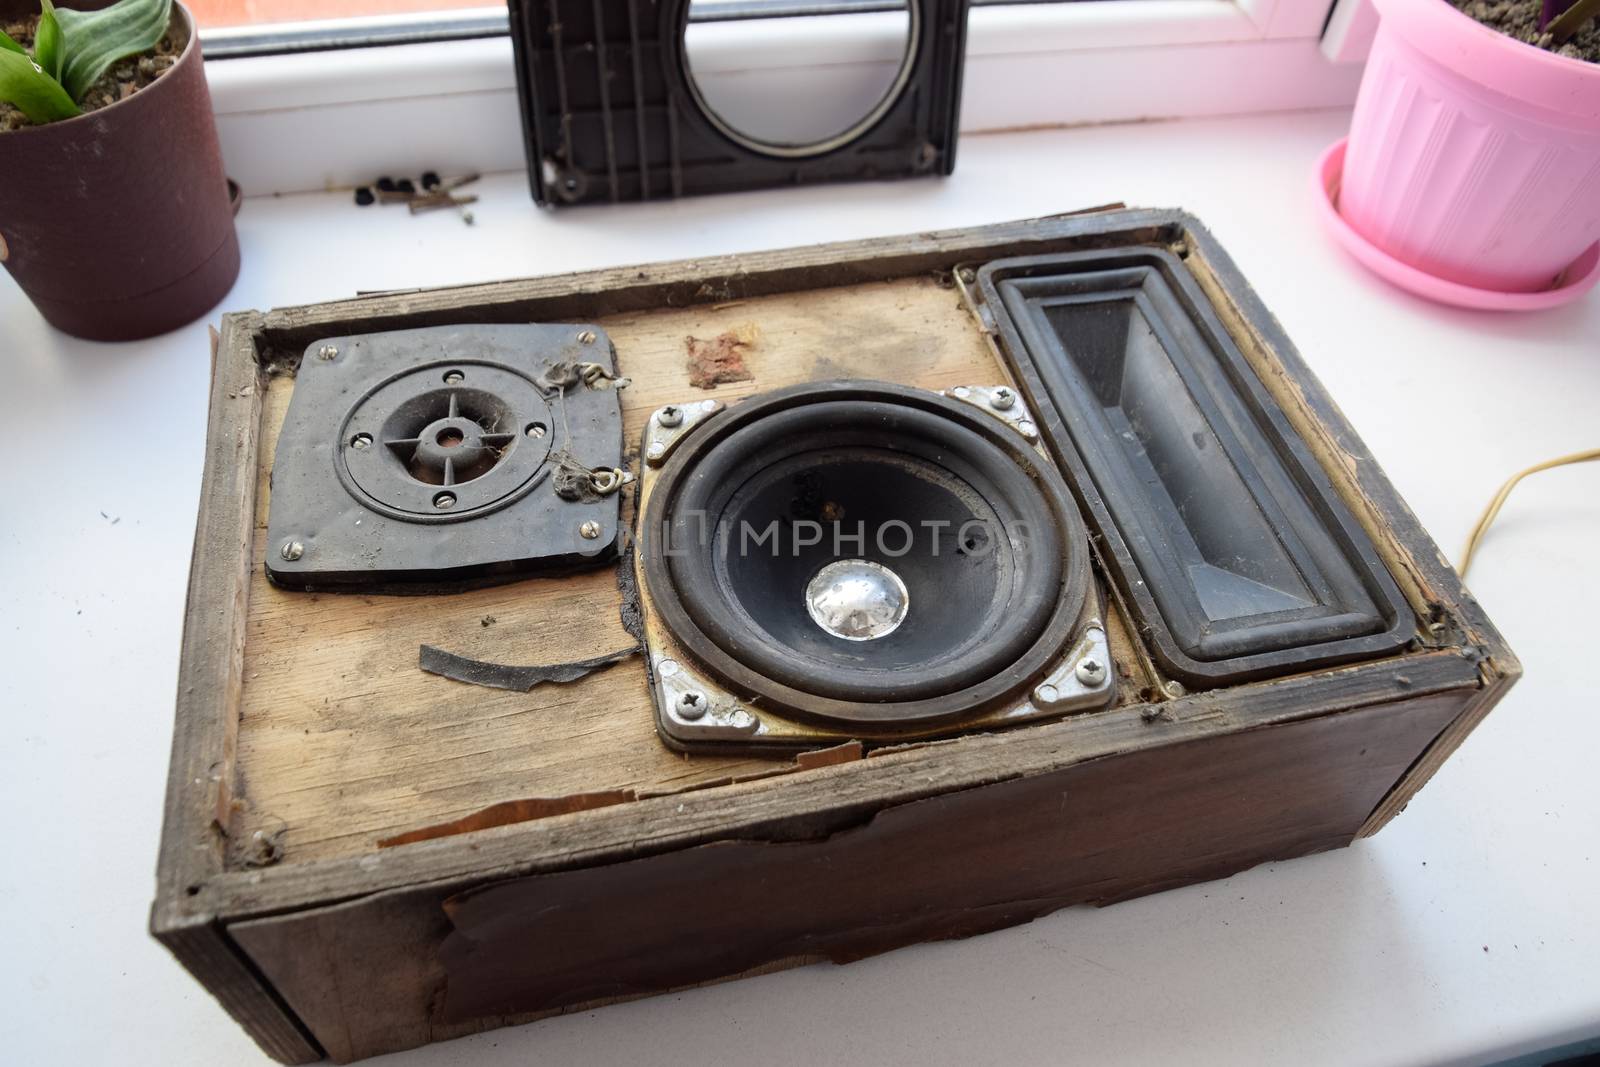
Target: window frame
point(292, 121)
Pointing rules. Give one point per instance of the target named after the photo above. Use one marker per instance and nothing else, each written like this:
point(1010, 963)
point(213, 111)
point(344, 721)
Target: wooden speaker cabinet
point(361, 857)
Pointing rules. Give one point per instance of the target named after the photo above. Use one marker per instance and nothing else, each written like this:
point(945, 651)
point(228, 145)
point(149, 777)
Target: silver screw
point(451, 377)
point(656, 450)
point(1174, 689)
point(692, 705)
point(670, 416)
point(292, 550)
point(535, 429)
point(1027, 429)
point(1046, 694)
point(590, 530)
point(444, 500)
point(1091, 672)
point(361, 441)
point(586, 337)
point(327, 352)
point(968, 275)
point(961, 392)
point(1002, 399)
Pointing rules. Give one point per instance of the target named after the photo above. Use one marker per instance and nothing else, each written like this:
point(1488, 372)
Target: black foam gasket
point(611, 114)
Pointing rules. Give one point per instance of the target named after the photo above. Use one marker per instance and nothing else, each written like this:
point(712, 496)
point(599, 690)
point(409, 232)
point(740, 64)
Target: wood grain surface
point(344, 741)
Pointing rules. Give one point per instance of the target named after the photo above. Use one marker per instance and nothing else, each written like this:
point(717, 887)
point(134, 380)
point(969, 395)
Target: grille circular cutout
point(445, 441)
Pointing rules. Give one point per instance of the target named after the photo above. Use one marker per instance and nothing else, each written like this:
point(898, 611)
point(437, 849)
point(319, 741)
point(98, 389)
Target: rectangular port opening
point(1227, 539)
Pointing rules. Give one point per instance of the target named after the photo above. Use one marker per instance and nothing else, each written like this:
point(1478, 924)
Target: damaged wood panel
point(801, 805)
point(708, 280)
point(343, 741)
point(200, 777)
point(1424, 573)
point(1101, 831)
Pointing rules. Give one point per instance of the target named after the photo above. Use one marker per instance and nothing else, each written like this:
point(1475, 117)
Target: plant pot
point(118, 223)
point(1473, 158)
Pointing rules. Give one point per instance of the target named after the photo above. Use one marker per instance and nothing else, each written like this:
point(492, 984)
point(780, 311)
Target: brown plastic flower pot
point(118, 223)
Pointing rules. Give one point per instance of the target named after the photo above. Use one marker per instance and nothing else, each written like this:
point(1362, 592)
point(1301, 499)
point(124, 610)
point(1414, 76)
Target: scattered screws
point(587, 337)
point(1002, 399)
point(292, 550)
point(364, 197)
point(692, 705)
point(590, 530)
point(1091, 672)
point(434, 201)
point(386, 185)
point(327, 352)
point(361, 441)
point(430, 180)
point(444, 501)
point(670, 416)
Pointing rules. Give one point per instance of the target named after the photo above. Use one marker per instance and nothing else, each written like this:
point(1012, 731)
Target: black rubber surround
point(985, 619)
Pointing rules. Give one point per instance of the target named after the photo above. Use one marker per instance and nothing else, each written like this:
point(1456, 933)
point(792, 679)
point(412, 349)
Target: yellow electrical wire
point(1499, 500)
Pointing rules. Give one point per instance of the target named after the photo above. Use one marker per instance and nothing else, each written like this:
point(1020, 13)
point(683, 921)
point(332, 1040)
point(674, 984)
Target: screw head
point(1027, 429)
point(1174, 689)
point(1002, 399)
point(968, 275)
point(670, 416)
point(961, 392)
point(587, 337)
point(292, 550)
point(656, 450)
point(1091, 671)
point(590, 530)
point(361, 442)
point(328, 352)
point(692, 705)
point(453, 377)
point(444, 501)
point(1046, 694)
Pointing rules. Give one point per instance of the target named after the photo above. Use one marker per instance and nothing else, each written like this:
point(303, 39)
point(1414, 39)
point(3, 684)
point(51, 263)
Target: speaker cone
point(864, 553)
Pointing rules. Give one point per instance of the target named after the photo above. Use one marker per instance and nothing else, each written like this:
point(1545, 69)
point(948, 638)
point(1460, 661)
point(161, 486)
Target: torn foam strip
point(505, 676)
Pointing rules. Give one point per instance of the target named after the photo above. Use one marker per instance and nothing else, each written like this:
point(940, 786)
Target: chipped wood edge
point(708, 280)
point(210, 682)
point(789, 807)
point(1423, 572)
point(207, 952)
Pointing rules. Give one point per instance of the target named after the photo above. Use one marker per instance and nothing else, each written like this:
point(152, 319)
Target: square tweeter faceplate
point(447, 457)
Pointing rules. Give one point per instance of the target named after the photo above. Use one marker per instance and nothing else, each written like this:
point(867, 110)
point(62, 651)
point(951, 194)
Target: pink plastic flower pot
point(1473, 157)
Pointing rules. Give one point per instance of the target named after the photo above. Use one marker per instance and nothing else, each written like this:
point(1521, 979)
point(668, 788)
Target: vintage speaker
point(861, 560)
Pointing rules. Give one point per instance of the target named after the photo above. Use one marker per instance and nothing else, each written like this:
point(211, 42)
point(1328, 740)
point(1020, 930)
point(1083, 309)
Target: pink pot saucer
point(1577, 279)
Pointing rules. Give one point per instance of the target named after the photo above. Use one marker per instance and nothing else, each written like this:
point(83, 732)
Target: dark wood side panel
point(216, 963)
point(401, 968)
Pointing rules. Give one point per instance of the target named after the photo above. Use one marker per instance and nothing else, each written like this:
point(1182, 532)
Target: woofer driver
point(862, 555)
